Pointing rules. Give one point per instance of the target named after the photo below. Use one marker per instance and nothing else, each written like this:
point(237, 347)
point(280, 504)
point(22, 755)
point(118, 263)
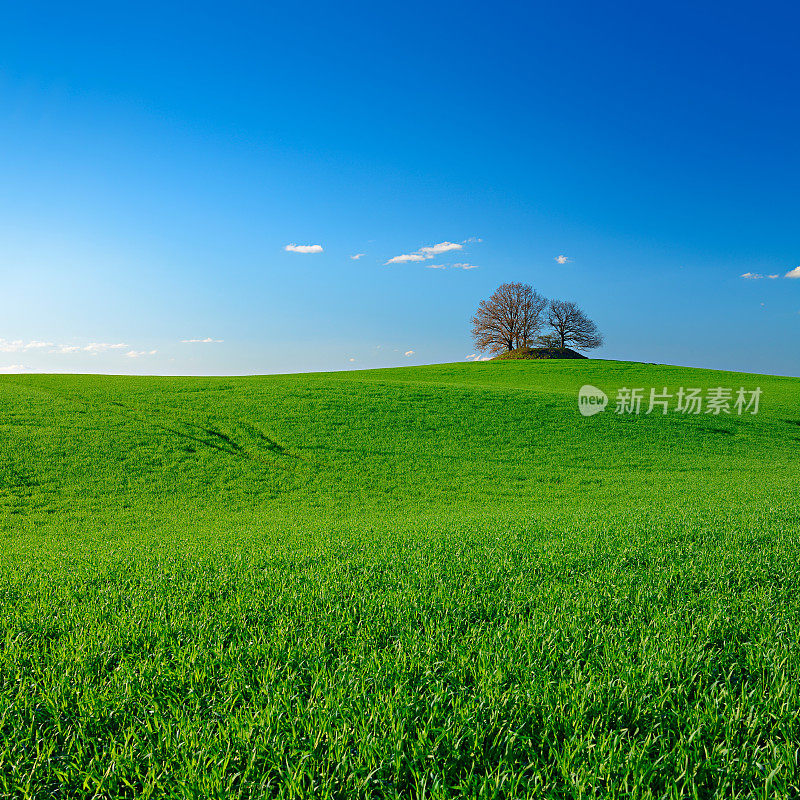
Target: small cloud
point(465, 266)
point(140, 353)
point(435, 266)
point(757, 276)
point(442, 247)
point(793, 273)
point(408, 353)
point(207, 340)
point(563, 260)
point(94, 348)
point(407, 257)
point(471, 356)
point(14, 368)
point(102, 347)
point(17, 345)
point(357, 256)
point(428, 252)
point(351, 360)
point(303, 248)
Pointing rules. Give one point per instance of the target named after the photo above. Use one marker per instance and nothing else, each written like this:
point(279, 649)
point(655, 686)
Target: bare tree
point(510, 318)
point(572, 327)
point(549, 341)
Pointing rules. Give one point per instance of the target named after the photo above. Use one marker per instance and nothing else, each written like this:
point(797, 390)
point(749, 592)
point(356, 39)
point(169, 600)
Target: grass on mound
point(540, 352)
point(422, 582)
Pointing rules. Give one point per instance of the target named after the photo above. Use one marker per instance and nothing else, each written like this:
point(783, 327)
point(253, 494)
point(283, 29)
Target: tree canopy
point(571, 326)
point(514, 315)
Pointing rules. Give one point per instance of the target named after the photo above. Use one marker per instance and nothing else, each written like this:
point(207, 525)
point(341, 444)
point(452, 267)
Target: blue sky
point(156, 160)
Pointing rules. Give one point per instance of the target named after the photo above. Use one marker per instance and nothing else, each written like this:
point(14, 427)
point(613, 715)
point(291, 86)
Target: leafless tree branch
point(572, 327)
point(511, 318)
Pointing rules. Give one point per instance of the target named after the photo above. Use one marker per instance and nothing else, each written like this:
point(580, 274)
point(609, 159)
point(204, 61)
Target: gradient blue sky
point(156, 159)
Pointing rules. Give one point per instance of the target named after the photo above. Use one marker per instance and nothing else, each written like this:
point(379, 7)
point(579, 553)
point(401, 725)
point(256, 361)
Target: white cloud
point(357, 256)
point(428, 252)
point(563, 260)
point(140, 353)
point(207, 340)
point(793, 273)
point(471, 356)
point(102, 347)
point(465, 266)
point(442, 247)
point(435, 266)
point(17, 345)
point(757, 276)
point(351, 360)
point(303, 248)
point(408, 257)
point(14, 368)
point(408, 353)
point(93, 348)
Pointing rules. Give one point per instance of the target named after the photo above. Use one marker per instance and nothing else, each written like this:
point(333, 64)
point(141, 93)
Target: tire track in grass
point(214, 438)
point(224, 444)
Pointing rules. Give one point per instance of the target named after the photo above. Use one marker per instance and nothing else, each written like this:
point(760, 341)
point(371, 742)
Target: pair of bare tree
point(515, 314)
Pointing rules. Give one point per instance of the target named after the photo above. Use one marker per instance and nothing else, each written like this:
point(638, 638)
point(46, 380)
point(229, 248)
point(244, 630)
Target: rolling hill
point(428, 581)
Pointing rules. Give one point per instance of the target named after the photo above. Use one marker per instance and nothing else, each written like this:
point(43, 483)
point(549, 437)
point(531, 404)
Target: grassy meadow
point(423, 582)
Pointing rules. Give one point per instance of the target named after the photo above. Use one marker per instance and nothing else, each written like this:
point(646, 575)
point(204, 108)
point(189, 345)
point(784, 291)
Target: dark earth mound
point(540, 352)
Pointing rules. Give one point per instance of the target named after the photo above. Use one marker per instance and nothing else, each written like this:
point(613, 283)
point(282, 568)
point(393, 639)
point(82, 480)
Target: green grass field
point(421, 582)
